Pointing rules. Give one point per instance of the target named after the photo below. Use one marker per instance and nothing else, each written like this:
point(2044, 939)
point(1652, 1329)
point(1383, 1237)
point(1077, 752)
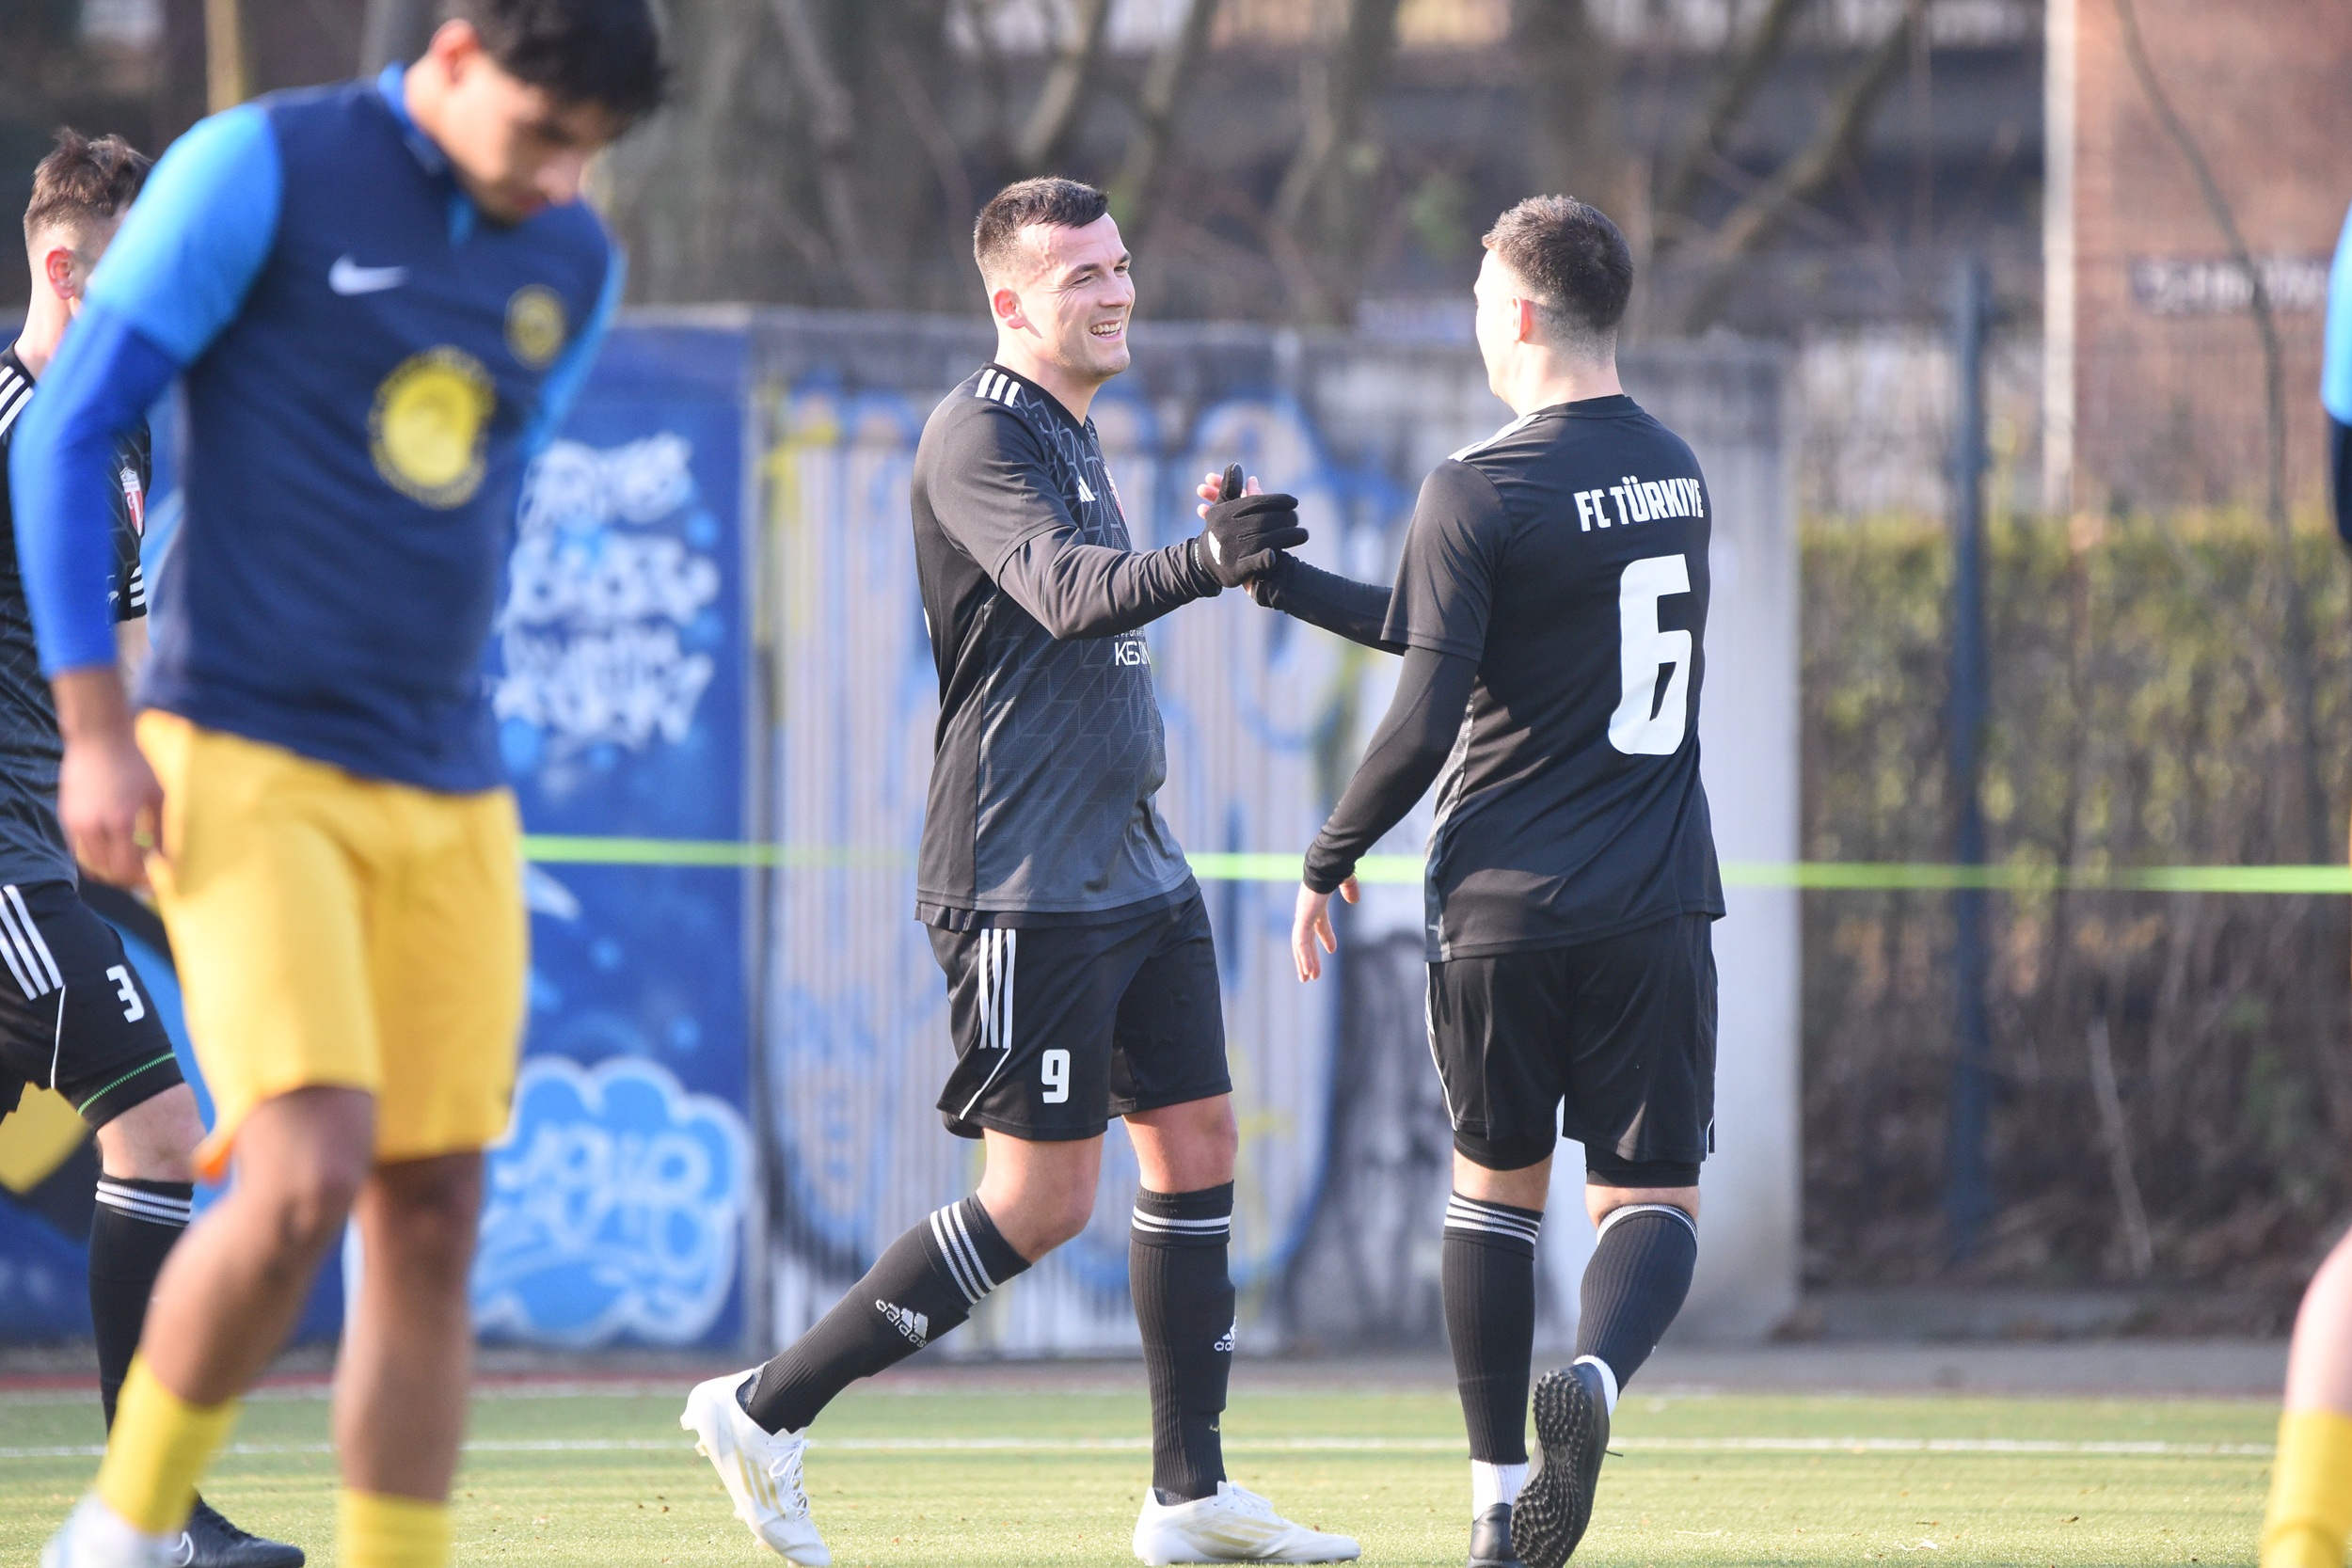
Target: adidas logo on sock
point(914, 1326)
point(1227, 1343)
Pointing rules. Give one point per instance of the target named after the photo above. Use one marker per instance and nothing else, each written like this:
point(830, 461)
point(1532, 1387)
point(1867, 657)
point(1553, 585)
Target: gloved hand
point(1242, 535)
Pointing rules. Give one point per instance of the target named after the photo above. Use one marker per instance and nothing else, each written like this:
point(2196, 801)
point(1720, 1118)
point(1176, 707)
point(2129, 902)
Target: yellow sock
point(2310, 1492)
point(375, 1529)
point(159, 1446)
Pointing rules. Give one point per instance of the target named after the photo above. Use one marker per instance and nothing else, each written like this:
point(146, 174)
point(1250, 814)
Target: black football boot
point(1571, 1433)
point(212, 1542)
point(1490, 1539)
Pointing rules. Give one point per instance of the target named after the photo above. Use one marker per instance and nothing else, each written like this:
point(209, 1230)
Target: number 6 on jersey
point(1646, 725)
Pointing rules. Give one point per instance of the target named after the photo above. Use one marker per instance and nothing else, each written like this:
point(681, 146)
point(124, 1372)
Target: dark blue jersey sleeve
point(174, 278)
point(570, 372)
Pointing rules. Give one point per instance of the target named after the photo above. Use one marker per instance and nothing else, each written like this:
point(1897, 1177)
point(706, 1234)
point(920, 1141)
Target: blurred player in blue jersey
point(75, 1012)
point(2311, 1484)
point(381, 296)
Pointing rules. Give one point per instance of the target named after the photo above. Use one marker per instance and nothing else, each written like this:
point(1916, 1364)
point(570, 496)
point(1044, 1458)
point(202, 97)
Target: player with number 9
point(1550, 607)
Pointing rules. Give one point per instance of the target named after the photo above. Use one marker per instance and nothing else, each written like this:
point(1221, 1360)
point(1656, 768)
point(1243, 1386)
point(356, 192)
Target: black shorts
point(1615, 1037)
point(1060, 1028)
point(75, 1016)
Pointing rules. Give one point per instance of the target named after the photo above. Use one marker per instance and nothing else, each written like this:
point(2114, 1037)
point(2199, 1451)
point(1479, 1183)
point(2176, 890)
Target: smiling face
point(1069, 306)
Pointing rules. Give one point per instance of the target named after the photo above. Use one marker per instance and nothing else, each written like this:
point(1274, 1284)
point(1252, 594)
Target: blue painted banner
point(618, 1203)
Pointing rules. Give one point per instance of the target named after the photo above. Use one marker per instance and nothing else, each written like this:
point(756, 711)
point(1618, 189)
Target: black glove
point(1245, 534)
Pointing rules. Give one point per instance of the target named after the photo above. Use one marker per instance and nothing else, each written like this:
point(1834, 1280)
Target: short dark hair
point(602, 52)
point(84, 182)
point(1573, 259)
point(1063, 204)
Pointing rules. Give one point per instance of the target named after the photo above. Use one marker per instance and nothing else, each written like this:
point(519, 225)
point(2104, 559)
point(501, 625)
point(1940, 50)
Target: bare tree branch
point(1567, 69)
point(1136, 191)
point(1044, 141)
point(1835, 142)
point(392, 30)
point(833, 127)
point(997, 136)
point(938, 141)
point(2301, 684)
point(1321, 204)
point(1743, 71)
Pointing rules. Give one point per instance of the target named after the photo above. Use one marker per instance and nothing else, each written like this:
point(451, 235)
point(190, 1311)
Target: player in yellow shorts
point(336, 931)
point(380, 298)
point(2310, 1482)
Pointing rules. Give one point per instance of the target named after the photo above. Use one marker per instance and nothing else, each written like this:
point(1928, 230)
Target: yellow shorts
point(334, 930)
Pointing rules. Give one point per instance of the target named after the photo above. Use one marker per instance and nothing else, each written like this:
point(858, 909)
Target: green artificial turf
point(1002, 1474)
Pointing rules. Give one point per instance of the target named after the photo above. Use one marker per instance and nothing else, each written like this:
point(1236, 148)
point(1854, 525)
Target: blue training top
point(370, 364)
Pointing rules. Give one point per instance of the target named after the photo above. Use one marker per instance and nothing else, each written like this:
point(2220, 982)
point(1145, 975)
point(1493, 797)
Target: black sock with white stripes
point(130, 1234)
point(1486, 1270)
point(1634, 1285)
point(925, 1283)
point(1177, 1271)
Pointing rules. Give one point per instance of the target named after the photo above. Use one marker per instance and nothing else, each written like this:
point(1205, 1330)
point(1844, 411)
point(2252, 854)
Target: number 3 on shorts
point(1643, 725)
point(133, 1008)
point(1055, 1067)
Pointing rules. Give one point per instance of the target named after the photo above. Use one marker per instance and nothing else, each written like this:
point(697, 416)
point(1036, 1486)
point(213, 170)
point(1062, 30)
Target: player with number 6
point(1550, 607)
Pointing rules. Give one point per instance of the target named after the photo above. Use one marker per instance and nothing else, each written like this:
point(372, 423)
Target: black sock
point(1634, 1285)
point(1488, 1269)
point(925, 1283)
point(1184, 1294)
point(130, 1233)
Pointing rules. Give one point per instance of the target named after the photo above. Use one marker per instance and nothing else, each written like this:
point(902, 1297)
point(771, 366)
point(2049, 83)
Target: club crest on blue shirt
point(535, 325)
point(430, 426)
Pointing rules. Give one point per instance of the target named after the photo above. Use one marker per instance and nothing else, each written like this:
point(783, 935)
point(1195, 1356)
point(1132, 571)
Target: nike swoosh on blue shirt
point(347, 277)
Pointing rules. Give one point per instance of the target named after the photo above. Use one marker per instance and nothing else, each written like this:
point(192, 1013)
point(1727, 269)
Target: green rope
point(1818, 876)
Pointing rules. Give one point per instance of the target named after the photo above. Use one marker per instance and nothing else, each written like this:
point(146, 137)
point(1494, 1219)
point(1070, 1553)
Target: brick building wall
point(2155, 380)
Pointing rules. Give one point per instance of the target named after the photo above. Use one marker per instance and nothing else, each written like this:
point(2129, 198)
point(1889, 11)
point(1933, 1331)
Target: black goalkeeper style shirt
point(1565, 557)
point(32, 845)
point(1049, 749)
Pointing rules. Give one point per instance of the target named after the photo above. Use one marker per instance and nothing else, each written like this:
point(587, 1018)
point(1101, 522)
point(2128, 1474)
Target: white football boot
point(94, 1536)
point(761, 1470)
point(1235, 1525)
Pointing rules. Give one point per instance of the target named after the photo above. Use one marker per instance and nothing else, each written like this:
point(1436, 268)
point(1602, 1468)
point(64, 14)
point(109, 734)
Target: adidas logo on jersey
point(1227, 1343)
point(914, 1326)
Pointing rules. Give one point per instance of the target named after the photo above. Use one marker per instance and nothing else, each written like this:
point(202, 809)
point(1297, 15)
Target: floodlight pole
point(1968, 1186)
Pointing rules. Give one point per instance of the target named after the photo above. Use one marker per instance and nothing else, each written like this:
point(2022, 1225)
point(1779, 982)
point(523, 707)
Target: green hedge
point(2142, 714)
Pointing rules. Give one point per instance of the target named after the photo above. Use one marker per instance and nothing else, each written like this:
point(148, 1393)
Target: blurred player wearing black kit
point(1082, 978)
point(1550, 607)
point(74, 1015)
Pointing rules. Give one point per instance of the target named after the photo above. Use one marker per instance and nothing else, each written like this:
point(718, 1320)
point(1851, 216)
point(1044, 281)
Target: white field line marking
point(1288, 1445)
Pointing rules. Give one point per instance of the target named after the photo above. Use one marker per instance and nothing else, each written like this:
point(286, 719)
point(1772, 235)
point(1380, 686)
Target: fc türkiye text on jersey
point(1568, 556)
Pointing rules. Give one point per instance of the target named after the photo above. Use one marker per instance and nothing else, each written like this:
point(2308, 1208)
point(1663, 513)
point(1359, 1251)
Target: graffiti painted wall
point(621, 1201)
point(1344, 1164)
point(711, 633)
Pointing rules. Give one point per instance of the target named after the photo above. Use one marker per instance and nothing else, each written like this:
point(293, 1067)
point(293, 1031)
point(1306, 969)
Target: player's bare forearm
point(107, 797)
point(131, 649)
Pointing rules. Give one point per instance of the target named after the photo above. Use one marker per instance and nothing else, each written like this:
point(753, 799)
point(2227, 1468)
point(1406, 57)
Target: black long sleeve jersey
point(32, 843)
point(1049, 749)
point(1555, 576)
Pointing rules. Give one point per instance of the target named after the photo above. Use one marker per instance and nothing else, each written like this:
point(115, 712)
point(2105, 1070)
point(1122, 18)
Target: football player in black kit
point(74, 1014)
point(1082, 977)
point(1550, 607)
